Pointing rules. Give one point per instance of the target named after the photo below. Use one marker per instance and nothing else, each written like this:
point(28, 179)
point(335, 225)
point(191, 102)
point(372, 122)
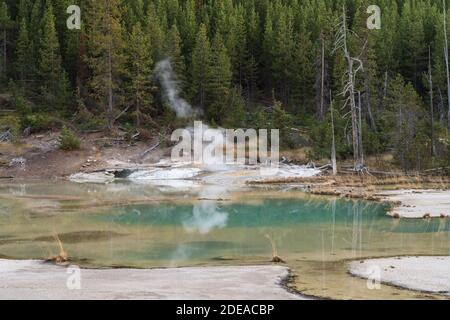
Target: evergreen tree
point(404, 115)
point(262, 51)
point(238, 49)
point(174, 53)
point(34, 32)
point(140, 69)
point(189, 27)
point(24, 10)
point(49, 58)
point(105, 54)
point(283, 53)
point(134, 12)
point(23, 53)
point(267, 57)
point(412, 54)
point(55, 87)
point(156, 33)
point(200, 67)
point(218, 80)
point(5, 25)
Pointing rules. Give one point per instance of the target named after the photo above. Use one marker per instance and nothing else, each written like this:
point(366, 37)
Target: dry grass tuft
point(62, 257)
point(275, 257)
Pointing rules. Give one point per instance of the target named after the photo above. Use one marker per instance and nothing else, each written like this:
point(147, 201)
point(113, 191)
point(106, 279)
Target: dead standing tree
point(446, 62)
point(333, 142)
point(354, 65)
point(429, 78)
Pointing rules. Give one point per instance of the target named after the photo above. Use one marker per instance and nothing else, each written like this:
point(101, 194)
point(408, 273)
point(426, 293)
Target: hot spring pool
point(130, 225)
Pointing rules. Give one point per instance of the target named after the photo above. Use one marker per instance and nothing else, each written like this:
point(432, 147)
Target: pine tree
point(267, 56)
point(134, 12)
point(200, 67)
point(24, 10)
point(49, 58)
point(259, 47)
point(404, 115)
point(55, 87)
point(218, 80)
point(412, 54)
point(283, 52)
point(189, 27)
point(59, 10)
point(23, 53)
point(174, 53)
point(172, 11)
point(34, 32)
point(140, 69)
point(5, 25)
point(238, 49)
point(254, 52)
point(105, 54)
point(156, 33)
point(303, 77)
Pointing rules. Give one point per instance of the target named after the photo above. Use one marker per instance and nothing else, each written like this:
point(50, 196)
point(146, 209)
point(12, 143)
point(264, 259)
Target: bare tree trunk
point(322, 81)
point(333, 143)
point(110, 93)
point(400, 133)
point(360, 142)
point(110, 117)
point(430, 80)
point(369, 106)
point(441, 108)
point(138, 110)
point(355, 139)
point(385, 86)
point(446, 62)
point(350, 89)
point(368, 93)
point(4, 52)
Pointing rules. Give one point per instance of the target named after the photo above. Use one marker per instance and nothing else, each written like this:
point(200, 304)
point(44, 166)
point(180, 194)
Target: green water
point(143, 226)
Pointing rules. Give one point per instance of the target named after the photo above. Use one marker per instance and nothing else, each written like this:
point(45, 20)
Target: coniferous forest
point(244, 64)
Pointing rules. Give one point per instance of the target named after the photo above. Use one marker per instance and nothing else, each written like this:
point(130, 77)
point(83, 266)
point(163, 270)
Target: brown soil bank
point(38, 156)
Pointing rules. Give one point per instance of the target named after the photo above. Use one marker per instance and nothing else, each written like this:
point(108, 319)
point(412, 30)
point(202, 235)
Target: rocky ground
point(416, 204)
point(426, 274)
point(25, 280)
point(38, 156)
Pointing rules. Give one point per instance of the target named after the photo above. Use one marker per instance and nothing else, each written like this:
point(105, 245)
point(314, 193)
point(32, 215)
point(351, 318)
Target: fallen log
point(150, 150)
point(6, 136)
point(327, 166)
point(384, 173)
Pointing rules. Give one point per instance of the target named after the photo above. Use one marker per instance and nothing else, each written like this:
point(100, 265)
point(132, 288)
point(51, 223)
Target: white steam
point(206, 214)
point(168, 79)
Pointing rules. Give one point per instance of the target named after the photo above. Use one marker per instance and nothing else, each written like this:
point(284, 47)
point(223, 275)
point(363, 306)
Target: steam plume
point(169, 83)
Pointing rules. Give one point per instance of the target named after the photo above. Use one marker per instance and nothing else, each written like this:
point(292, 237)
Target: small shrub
point(68, 141)
point(38, 122)
point(12, 124)
point(87, 121)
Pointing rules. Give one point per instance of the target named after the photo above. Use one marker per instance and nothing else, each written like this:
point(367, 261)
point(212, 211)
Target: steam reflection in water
point(207, 214)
